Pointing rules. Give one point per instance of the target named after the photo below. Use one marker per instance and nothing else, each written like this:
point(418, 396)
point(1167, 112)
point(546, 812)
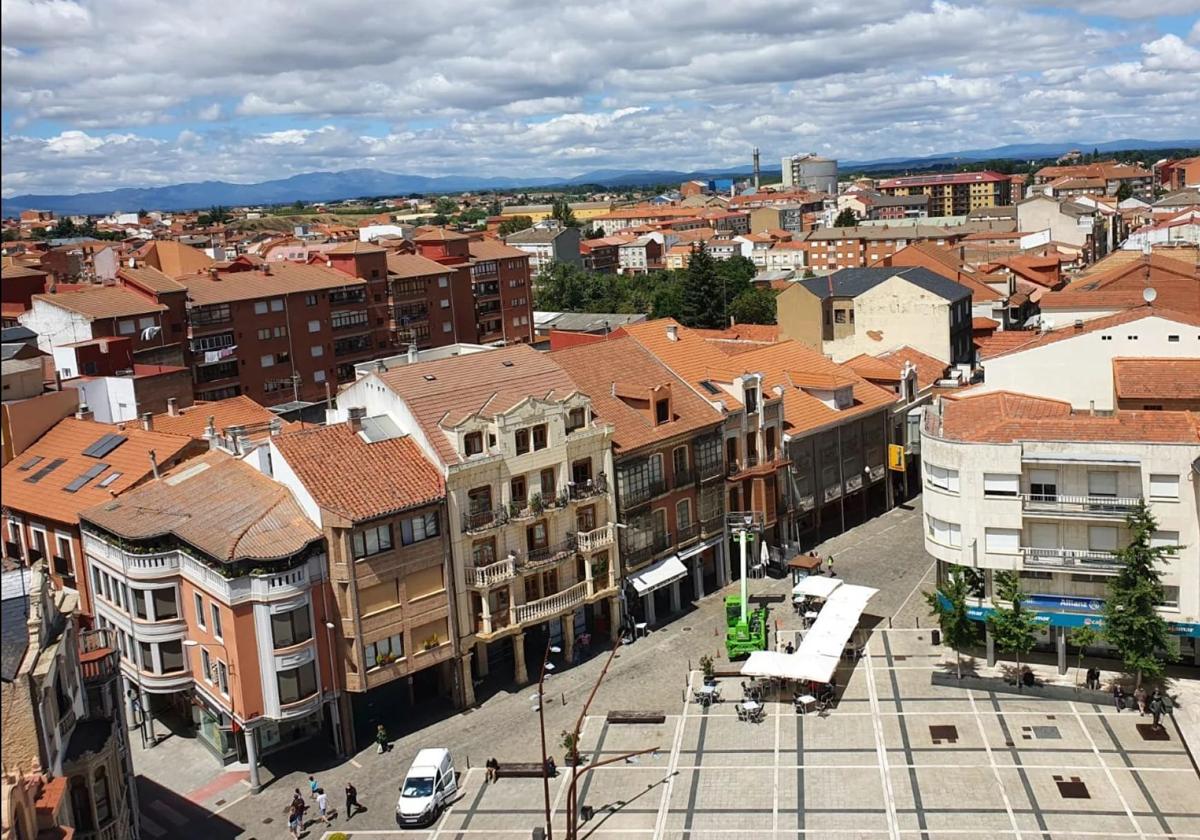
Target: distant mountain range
point(352, 183)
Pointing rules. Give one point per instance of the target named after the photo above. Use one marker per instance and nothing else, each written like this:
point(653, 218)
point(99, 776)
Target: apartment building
point(1030, 485)
point(668, 459)
point(640, 255)
point(1119, 282)
point(78, 463)
point(1109, 175)
point(63, 716)
point(213, 579)
point(380, 505)
point(547, 243)
point(1071, 225)
point(832, 249)
point(954, 194)
point(18, 285)
point(600, 255)
point(431, 305)
point(528, 473)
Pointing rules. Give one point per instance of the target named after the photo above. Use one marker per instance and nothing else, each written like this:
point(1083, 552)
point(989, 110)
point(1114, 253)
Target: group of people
point(1156, 704)
point(298, 807)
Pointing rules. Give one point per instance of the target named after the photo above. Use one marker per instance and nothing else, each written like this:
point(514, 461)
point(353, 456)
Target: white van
point(429, 785)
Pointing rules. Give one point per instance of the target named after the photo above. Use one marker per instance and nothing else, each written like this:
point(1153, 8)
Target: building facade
point(955, 194)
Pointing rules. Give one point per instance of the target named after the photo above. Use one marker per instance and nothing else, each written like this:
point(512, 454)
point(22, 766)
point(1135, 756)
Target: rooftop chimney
point(210, 432)
point(213, 273)
point(154, 463)
point(380, 367)
point(413, 354)
point(276, 427)
point(148, 422)
point(173, 407)
point(83, 412)
point(355, 415)
point(672, 332)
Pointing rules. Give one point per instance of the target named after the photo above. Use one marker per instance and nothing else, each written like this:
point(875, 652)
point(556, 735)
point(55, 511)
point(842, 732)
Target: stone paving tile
point(1089, 825)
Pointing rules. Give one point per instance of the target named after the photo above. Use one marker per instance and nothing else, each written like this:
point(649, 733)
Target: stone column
point(487, 614)
point(468, 685)
point(991, 647)
point(1062, 649)
point(481, 658)
point(698, 576)
point(648, 606)
point(675, 597)
point(252, 760)
point(520, 675)
point(722, 561)
point(614, 620)
point(568, 634)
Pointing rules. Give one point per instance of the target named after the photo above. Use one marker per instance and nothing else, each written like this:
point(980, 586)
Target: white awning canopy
point(815, 586)
point(667, 570)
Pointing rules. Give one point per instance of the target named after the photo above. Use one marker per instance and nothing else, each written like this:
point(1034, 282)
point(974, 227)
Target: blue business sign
point(1055, 611)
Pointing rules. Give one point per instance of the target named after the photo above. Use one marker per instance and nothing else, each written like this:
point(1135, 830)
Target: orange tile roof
point(493, 249)
point(99, 302)
point(484, 384)
point(67, 440)
point(871, 367)
point(356, 247)
point(981, 323)
point(742, 332)
point(282, 278)
point(14, 271)
point(947, 263)
point(406, 266)
point(359, 480)
point(173, 258)
point(623, 364)
point(151, 279)
point(929, 369)
point(1108, 170)
point(1157, 378)
point(438, 234)
point(1007, 417)
point(234, 411)
point(217, 503)
point(1040, 339)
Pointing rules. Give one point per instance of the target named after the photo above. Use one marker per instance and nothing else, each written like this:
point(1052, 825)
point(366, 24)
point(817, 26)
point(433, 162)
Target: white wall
point(1043, 213)
point(55, 325)
point(1079, 369)
point(112, 399)
point(905, 315)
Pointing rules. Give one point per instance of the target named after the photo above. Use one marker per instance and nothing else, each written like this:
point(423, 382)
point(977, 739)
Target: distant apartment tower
point(954, 194)
point(810, 172)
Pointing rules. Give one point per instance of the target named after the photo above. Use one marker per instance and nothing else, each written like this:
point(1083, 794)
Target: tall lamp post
point(541, 710)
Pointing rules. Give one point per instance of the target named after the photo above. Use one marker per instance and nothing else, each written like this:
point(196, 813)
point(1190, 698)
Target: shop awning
point(815, 586)
point(667, 570)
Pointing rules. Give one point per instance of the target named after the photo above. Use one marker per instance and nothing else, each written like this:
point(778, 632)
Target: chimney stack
point(757, 170)
point(154, 463)
point(355, 415)
point(83, 412)
point(672, 332)
point(210, 432)
point(413, 354)
point(148, 422)
point(172, 407)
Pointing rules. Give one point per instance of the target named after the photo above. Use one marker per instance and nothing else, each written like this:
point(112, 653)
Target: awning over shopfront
point(816, 587)
point(667, 570)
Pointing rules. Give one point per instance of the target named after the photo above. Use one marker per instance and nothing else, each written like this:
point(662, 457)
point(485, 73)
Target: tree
point(473, 216)
point(702, 301)
point(949, 604)
point(809, 274)
point(1014, 627)
point(514, 223)
point(297, 205)
point(1083, 638)
point(561, 287)
point(1131, 621)
point(1124, 191)
point(562, 213)
point(753, 306)
point(216, 215)
point(445, 206)
point(846, 218)
point(494, 209)
point(667, 299)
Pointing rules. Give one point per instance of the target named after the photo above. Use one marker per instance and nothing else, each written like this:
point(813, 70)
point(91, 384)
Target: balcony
point(484, 577)
point(687, 534)
point(207, 372)
point(358, 295)
point(753, 464)
point(714, 524)
point(99, 659)
point(596, 538)
point(547, 554)
point(710, 470)
point(1075, 559)
point(552, 605)
point(685, 477)
point(578, 490)
point(473, 523)
point(1088, 507)
point(644, 493)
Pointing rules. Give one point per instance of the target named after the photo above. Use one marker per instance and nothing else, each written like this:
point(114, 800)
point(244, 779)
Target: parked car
point(430, 783)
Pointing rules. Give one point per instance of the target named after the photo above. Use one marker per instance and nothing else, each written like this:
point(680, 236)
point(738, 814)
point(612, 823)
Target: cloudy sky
point(99, 94)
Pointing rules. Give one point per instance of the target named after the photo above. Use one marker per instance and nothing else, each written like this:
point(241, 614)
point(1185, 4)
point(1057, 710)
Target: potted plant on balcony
point(570, 743)
point(514, 509)
point(600, 569)
point(563, 498)
point(537, 504)
point(706, 666)
point(385, 659)
point(432, 642)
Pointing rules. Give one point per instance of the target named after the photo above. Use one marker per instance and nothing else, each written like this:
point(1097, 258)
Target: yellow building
point(955, 194)
point(583, 210)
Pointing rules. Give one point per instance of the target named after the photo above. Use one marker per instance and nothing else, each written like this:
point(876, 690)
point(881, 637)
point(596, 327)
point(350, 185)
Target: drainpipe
point(457, 688)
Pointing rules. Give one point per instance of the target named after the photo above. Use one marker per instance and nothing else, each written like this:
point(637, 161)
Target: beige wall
point(24, 421)
point(798, 313)
point(900, 314)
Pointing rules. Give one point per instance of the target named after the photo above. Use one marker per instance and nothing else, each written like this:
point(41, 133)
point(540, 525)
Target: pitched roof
point(217, 503)
point(99, 302)
point(852, 282)
point(356, 247)
point(448, 391)
point(438, 234)
point(173, 258)
point(360, 480)
point(535, 235)
point(1007, 417)
point(234, 411)
point(151, 279)
point(279, 278)
point(871, 367)
point(406, 266)
point(986, 176)
point(929, 369)
point(947, 263)
point(1040, 339)
point(491, 249)
point(66, 442)
point(15, 271)
point(624, 365)
point(1156, 378)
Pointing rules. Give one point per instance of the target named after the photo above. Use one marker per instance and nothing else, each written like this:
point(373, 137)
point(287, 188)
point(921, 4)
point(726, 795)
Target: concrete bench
point(636, 717)
point(519, 770)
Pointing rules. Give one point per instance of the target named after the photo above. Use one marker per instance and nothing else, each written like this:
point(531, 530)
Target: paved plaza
point(898, 757)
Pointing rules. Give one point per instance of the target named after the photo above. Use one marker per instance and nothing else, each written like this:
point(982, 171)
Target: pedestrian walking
point(351, 800)
point(294, 815)
point(381, 738)
point(1159, 705)
point(323, 806)
point(829, 560)
point(1118, 697)
point(1139, 696)
point(312, 787)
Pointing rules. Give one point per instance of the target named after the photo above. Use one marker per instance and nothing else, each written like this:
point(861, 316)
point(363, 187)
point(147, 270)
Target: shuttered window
point(1000, 484)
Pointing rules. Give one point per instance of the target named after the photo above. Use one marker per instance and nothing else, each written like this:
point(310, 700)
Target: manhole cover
point(1072, 788)
point(949, 734)
point(1150, 732)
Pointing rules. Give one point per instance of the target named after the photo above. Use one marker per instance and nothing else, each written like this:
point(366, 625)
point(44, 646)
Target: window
point(483, 552)
point(267, 360)
point(310, 300)
point(479, 499)
point(1163, 486)
point(443, 282)
point(276, 304)
point(536, 536)
point(1043, 485)
point(998, 484)
point(585, 518)
point(576, 419)
point(521, 440)
point(319, 376)
point(291, 627)
point(683, 515)
point(377, 598)
point(223, 677)
point(314, 326)
point(546, 480)
point(297, 683)
point(1102, 484)
point(942, 478)
point(199, 602)
point(381, 652)
point(126, 327)
point(318, 350)
point(1102, 538)
point(138, 598)
point(945, 533)
point(751, 400)
point(1002, 540)
point(264, 333)
point(518, 489)
point(418, 528)
point(424, 582)
point(165, 606)
point(206, 667)
point(371, 541)
point(539, 437)
point(839, 316)
point(100, 788)
point(260, 307)
point(1160, 539)
point(473, 443)
point(216, 621)
point(581, 471)
point(662, 411)
point(171, 655)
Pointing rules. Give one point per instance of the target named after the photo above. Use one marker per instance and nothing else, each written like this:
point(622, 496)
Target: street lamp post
point(541, 708)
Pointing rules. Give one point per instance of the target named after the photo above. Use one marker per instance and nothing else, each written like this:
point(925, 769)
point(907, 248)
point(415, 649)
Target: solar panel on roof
point(78, 483)
point(31, 463)
point(105, 445)
point(46, 470)
point(109, 479)
point(708, 386)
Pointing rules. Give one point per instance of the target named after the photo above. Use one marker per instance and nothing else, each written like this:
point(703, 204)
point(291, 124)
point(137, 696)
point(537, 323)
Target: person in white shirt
point(323, 805)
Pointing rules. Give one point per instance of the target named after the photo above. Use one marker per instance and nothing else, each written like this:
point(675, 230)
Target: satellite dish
point(1149, 295)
